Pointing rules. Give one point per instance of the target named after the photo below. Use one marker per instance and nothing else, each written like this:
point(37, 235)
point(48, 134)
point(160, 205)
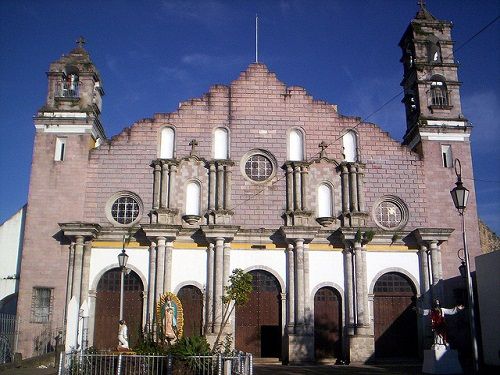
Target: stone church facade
point(342, 227)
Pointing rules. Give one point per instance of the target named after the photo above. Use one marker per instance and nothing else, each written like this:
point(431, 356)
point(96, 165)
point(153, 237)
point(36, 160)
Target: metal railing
point(132, 364)
point(7, 337)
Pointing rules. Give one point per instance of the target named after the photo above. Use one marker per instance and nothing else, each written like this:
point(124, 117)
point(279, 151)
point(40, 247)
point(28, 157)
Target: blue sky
point(154, 54)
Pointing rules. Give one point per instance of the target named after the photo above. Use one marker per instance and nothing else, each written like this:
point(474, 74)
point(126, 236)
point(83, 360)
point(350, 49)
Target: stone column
point(219, 258)
point(353, 189)
point(227, 189)
point(151, 284)
point(361, 188)
point(219, 201)
point(92, 300)
point(169, 246)
point(307, 300)
point(291, 289)
point(367, 317)
point(171, 185)
point(160, 266)
point(227, 265)
point(299, 285)
point(209, 303)
point(304, 175)
point(289, 188)
point(211, 195)
point(86, 272)
point(297, 190)
point(344, 175)
point(156, 185)
point(164, 185)
point(435, 261)
point(361, 315)
point(71, 263)
point(424, 271)
point(349, 288)
point(77, 270)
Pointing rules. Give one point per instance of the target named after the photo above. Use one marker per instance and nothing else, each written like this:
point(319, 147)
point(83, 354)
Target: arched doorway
point(192, 305)
point(107, 308)
point(258, 323)
point(395, 318)
point(327, 324)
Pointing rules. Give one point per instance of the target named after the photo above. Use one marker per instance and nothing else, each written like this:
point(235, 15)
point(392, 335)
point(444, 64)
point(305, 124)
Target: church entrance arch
point(258, 323)
point(192, 305)
point(395, 320)
point(327, 323)
point(107, 308)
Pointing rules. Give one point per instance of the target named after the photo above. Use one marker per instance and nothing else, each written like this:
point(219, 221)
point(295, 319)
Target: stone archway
point(107, 308)
point(258, 323)
point(395, 319)
point(327, 323)
point(192, 304)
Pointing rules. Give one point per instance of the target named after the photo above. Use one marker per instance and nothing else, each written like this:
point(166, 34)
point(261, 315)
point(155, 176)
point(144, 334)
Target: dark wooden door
point(192, 305)
point(258, 323)
point(107, 309)
point(327, 324)
point(394, 317)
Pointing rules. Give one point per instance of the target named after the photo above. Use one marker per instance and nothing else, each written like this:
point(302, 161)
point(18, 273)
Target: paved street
point(337, 370)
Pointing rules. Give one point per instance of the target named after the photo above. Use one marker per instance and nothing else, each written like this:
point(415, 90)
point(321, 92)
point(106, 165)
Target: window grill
point(125, 210)
point(258, 167)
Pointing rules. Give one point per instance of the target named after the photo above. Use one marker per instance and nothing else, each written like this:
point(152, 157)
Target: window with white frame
point(167, 143)
point(60, 151)
point(325, 200)
point(295, 145)
point(350, 146)
point(193, 198)
point(447, 156)
point(221, 144)
point(41, 305)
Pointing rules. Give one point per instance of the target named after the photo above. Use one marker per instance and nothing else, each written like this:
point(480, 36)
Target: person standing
point(122, 335)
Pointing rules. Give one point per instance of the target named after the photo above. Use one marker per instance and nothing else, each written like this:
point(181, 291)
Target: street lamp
point(460, 194)
point(122, 261)
point(462, 269)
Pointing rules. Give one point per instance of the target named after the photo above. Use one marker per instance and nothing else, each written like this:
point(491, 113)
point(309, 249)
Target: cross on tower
point(80, 42)
point(323, 145)
point(193, 144)
point(421, 3)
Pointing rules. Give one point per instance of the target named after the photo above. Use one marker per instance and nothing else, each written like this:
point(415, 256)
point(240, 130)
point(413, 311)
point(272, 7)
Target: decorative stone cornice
point(423, 235)
point(79, 228)
point(293, 233)
point(212, 232)
point(154, 231)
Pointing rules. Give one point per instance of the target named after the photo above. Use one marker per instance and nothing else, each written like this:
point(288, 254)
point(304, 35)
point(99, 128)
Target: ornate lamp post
point(460, 194)
point(122, 261)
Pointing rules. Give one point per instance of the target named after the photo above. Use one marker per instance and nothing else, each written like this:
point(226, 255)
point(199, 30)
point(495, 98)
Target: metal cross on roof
point(421, 3)
point(323, 145)
point(193, 144)
point(80, 42)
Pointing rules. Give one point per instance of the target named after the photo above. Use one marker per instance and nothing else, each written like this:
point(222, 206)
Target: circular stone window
point(390, 213)
point(258, 165)
point(124, 208)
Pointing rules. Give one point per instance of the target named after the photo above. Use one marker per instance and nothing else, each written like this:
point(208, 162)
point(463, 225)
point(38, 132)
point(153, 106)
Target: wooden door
point(394, 317)
point(258, 323)
point(327, 324)
point(192, 305)
point(107, 309)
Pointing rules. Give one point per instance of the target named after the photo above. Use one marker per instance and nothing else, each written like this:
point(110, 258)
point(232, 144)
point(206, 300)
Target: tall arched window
point(325, 200)
point(193, 198)
point(350, 146)
point(439, 92)
point(221, 144)
point(295, 145)
point(167, 143)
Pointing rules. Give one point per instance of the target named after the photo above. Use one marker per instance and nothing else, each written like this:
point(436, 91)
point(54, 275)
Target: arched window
point(439, 92)
point(433, 50)
point(193, 198)
point(221, 144)
point(350, 146)
point(167, 143)
point(325, 200)
point(295, 145)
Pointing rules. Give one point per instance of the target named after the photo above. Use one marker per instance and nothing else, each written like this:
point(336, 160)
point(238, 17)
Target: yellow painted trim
point(389, 248)
point(188, 245)
point(118, 244)
point(321, 246)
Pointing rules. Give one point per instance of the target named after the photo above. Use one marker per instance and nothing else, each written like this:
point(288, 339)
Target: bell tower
point(67, 129)
point(438, 131)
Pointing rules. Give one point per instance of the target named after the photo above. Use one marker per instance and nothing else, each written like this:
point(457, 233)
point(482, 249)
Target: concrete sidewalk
point(353, 369)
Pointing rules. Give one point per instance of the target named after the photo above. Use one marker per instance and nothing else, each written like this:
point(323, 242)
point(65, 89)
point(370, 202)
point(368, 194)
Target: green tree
point(236, 293)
